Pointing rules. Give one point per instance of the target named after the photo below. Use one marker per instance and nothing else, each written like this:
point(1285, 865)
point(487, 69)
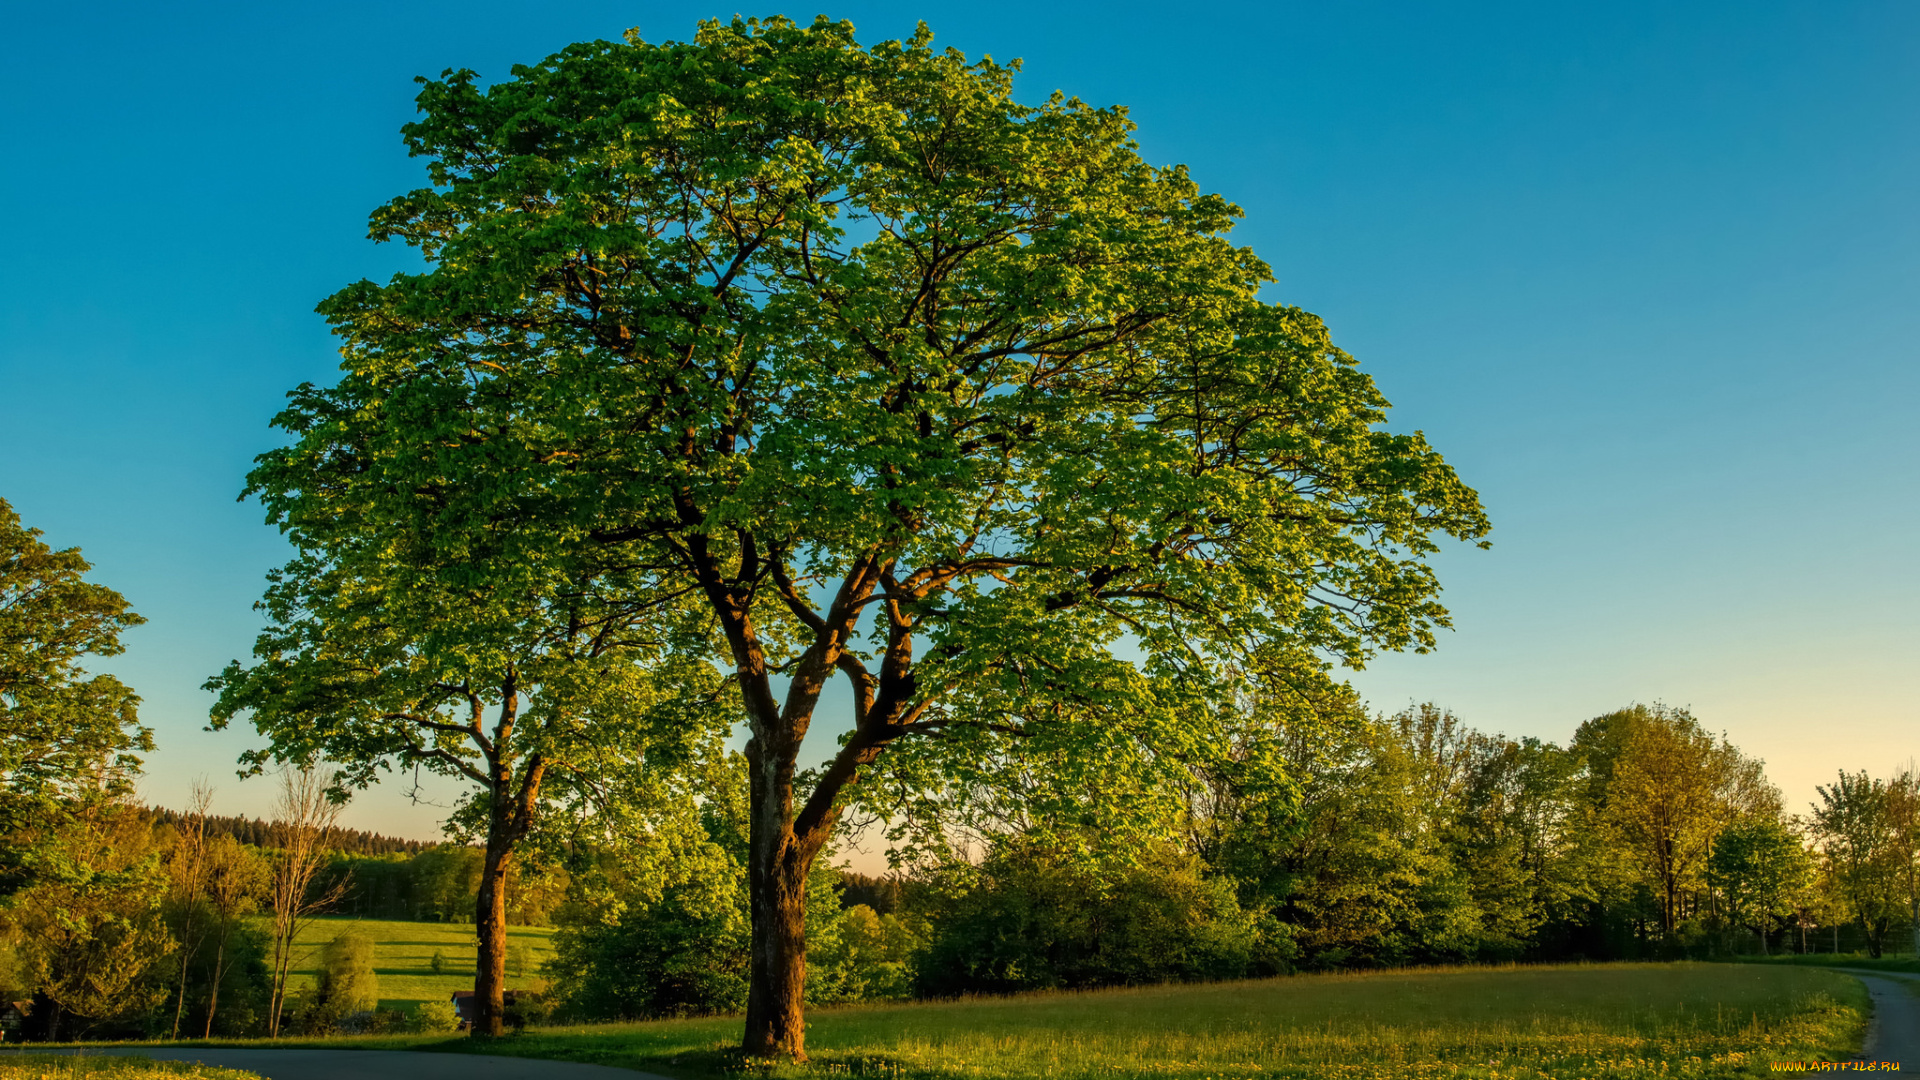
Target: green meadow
point(1624, 1021)
point(403, 956)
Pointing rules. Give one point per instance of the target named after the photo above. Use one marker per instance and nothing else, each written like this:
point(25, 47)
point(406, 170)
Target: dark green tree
point(903, 382)
point(1853, 824)
point(1761, 868)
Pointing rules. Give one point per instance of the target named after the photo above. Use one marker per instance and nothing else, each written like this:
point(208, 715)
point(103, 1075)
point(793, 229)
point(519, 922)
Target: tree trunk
point(213, 997)
point(490, 925)
point(777, 887)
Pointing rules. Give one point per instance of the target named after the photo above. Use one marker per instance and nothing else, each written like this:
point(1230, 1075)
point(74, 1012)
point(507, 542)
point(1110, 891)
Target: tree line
point(259, 833)
point(1407, 839)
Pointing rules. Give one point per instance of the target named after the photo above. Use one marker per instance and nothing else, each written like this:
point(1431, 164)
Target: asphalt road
point(1895, 1032)
point(388, 1065)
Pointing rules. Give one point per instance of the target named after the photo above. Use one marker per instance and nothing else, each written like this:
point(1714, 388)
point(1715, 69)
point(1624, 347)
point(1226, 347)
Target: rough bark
point(509, 817)
point(490, 925)
point(777, 885)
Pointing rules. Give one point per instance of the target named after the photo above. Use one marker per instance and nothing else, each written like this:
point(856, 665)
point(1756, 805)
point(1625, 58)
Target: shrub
point(432, 1017)
point(1034, 921)
point(347, 985)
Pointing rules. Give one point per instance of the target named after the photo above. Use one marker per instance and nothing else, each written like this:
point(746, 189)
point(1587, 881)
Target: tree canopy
point(898, 380)
point(65, 734)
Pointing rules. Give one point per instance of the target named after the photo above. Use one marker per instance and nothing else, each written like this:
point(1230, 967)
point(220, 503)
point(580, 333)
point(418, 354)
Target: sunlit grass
point(403, 954)
point(19, 1066)
point(1619, 1022)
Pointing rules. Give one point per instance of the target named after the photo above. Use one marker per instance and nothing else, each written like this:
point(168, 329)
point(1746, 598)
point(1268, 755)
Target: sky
point(1648, 274)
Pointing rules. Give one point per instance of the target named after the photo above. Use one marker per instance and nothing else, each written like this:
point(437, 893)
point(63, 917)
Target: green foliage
point(347, 985)
point(1762, 869)
point(666, 934)
point(233, 960)
point(1031, 919)
point(1662, 788)
point(91, 927)
point(438, 884)
point(436, 1016)
point(66, 737)
point(1854, 825)
point(836, 361)
point(867, 956)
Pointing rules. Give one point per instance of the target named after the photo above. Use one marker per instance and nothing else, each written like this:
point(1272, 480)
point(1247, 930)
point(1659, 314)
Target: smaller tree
point(1761, 869)
point(303, 815)
point(187, 871)
point(67, 738)
point(1903, 822)
point(92, 921)
point(1854, 824)
point(1663, 787)
point(236, 879)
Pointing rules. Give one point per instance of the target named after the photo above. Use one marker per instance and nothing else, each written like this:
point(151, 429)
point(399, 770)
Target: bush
point(432, 1017)
point(682, 955)
point(347, 988)
point(1034, 921)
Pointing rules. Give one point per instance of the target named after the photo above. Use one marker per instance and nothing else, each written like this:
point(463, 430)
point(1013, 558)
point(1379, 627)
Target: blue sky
point(1646, 273)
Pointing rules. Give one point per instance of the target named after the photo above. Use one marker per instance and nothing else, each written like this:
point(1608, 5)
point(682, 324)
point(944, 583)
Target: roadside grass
point(403, 955)
point(1907, 963)
point(23, 1066)
point(1618, 1022)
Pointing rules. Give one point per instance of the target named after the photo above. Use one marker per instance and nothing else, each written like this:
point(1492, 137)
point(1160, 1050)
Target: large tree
point(912, 385)
point(66, 736)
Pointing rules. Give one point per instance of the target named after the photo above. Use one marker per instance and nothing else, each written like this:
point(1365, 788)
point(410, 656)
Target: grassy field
point(17, 1066)
point(403, 952)
point(1619, 1022)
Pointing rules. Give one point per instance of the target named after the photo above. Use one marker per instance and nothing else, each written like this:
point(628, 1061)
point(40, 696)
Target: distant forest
point(259, 833)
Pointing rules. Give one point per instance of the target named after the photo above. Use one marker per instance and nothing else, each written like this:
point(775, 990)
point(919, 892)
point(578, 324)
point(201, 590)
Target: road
point(1895, 1032)
point(386, 1065)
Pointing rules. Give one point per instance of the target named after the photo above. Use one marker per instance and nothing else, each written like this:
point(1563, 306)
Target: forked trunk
point(490, 925)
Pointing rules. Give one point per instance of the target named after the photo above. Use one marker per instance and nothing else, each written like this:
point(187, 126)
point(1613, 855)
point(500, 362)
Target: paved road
point(1894, 1034)
point(386, 1065)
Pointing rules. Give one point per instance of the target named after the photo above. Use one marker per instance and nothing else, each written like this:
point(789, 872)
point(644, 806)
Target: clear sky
point(1647, 273)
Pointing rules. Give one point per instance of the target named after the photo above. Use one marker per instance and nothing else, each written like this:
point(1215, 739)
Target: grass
point(1619, 1022)
point(403, 953)
point(1906, 963)
point(17, 1066)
